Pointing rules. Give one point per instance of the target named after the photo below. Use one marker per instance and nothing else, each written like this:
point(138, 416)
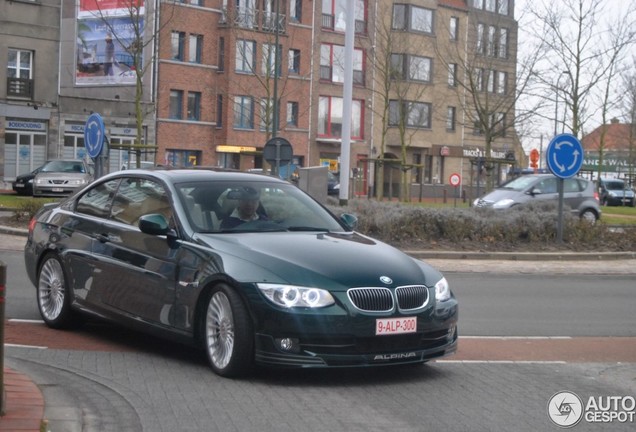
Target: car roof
point(182, 175)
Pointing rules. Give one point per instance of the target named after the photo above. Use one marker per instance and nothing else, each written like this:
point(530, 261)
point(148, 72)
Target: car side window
point(571, 185)
point(98, 200)
point(548, 186)
point(137, 197)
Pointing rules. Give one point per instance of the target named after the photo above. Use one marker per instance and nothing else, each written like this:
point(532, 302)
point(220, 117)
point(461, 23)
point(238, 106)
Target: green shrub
point(528, 227)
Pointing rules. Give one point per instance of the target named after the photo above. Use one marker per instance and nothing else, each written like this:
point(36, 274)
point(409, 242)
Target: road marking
point(518, 337)
point(17, 320)
point(25, 346)
point(503, 361)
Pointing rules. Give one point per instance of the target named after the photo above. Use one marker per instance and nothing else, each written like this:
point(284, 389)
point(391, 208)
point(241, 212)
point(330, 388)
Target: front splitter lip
point(312, 360)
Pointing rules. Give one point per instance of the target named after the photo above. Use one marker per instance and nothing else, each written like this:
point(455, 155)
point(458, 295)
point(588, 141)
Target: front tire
point(54, 299)
point(228, 335)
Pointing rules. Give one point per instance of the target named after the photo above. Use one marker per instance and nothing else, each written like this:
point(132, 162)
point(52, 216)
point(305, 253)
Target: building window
point(332, 61)
point(490, 85)
point(178, 45)
point(491, 5)
point(413, 114)
point(295, 10)
point(410, 67)
point(292, 114)
point(195, 48)
point(412, 18)
point(176, 104)
point(269, 60)
point(450, 118)
point(334, 13)
point(480, 38)
point(477, 4)
point(219, 110)
point(490, 45)
point(267, 114)
point(503, 43)
point(453, 28)
point(20, 73)
point(452, 75)
point(330, 117)
point(194, 106)
point(245, 55)
point(502, 8)
point(479, 79)
point(294, 61)
point(502, 82)
point(243, 112)
point(221, 60)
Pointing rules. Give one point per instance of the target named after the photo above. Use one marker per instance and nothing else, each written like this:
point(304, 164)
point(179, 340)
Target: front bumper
point(359, 352)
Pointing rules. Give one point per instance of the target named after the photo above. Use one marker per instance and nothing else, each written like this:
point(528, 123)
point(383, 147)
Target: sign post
point(455, 180)
point(564, 158)
point(278, 151)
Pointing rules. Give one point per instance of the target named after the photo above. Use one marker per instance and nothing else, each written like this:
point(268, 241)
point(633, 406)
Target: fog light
point(452, 333)
point(288, 345)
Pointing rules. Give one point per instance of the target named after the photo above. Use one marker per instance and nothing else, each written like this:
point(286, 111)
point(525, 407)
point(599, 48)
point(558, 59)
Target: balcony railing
point(20, 87)
point(329, 20)
point(250, 18)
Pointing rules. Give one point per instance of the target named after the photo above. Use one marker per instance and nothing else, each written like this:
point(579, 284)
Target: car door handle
point(103, 238)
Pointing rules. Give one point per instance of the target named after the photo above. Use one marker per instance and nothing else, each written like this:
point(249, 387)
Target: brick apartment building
point(208, 90)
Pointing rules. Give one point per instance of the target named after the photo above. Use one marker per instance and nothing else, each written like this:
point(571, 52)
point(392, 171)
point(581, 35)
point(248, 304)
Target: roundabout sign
point(564, 156)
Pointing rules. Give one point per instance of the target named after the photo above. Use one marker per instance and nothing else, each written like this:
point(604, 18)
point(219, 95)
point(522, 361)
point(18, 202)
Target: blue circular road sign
point(564, 156)
point(94, 134)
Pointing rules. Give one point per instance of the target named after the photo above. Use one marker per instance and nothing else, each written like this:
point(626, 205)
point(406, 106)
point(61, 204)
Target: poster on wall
point(105, 42)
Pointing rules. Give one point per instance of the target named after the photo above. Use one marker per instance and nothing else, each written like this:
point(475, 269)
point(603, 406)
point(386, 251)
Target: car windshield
point(519, 183)
point(614, 185)
point(64, 166)
point(224, 207)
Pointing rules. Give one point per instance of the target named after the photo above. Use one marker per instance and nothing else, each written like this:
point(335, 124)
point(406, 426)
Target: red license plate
point(389, 326)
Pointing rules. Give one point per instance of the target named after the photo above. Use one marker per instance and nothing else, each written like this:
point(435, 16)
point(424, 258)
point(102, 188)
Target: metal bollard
point(3, 282)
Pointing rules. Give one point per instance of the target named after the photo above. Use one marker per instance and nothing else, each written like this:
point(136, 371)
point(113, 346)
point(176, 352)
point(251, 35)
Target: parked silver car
point(61, 177)
point(579, 194)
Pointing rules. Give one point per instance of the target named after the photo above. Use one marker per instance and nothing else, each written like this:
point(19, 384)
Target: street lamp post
point(556, 103)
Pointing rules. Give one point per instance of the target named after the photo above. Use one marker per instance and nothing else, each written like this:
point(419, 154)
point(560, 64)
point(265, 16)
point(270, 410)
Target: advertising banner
point(106, 39)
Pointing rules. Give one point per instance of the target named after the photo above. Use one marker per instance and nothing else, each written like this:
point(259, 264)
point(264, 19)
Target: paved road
point(122, 381)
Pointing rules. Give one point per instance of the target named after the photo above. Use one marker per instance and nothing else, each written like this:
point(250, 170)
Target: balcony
point(20, 87)
point(329, 20)
point(249, 18)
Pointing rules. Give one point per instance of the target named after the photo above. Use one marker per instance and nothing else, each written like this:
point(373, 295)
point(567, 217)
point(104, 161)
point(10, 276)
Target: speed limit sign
point(455, 179)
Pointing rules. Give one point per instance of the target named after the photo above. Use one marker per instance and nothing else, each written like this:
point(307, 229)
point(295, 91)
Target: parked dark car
point(333, 184)
point(23, 184)
point(578, 193)
point(292, 286)
point(614, 192)
point(61, 177)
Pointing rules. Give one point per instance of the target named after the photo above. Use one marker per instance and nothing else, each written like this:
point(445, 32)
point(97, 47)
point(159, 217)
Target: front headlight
point(442, 290)
point(290, 296)
point(504, 203)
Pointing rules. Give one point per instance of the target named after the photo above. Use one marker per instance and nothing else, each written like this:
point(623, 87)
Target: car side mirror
point(351, 221)
point(154, 224)
point(535, 191)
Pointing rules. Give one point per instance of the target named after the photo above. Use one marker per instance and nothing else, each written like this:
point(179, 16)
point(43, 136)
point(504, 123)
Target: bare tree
point(629, 108)
point(137, 40)
point(584, 49)
point(401, 74)
point(489, 85)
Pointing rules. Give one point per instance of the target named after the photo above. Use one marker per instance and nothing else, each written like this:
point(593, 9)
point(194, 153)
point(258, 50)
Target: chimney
point(614, 121)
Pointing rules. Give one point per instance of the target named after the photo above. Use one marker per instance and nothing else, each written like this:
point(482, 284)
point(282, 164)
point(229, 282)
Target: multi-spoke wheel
point(227, 333)
point(53, 294)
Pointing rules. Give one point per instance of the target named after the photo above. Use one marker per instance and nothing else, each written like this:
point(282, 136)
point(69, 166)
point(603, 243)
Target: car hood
point(337, 261)
point(61, 176)
point(622, 192)
point(499, 194)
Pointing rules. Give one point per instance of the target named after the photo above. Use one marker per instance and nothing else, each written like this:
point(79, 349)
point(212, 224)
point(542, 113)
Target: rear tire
point(54, 298)
point(227, 334)
point(589, 216)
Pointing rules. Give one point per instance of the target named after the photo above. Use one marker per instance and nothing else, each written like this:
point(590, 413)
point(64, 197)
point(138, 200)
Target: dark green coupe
point(289, 285)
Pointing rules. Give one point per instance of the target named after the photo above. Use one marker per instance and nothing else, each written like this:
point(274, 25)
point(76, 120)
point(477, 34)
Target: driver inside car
point(246, 209)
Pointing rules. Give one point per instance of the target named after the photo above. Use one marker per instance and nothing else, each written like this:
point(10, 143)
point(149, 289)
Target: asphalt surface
point(175, 391)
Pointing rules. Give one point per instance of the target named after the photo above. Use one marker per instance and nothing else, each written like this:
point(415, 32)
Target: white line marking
point(503, 361)
point(17, 320)
point(25, 346)
point(517, 337)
